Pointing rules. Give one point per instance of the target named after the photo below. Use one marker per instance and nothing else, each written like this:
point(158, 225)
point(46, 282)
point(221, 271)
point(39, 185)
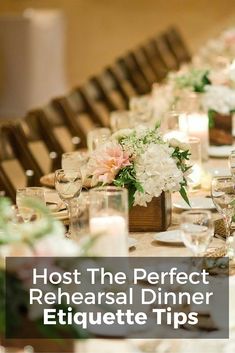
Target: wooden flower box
point(153, 218)
point(221, 132)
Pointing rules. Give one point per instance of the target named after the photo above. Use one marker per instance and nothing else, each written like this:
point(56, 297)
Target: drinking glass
point(97, 137)
point(197, 231)
point(196, 124)
point(74, 160)
point(121, 120)
point(195, 161)
point(36, 193)
point(68, 184)
point(22, 194)
point(223, 196)
point(83, 213)
point(232, 163)
point(108, 219)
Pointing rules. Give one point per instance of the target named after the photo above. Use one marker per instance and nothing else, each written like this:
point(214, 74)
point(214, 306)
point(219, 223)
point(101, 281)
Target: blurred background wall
point(100, 30)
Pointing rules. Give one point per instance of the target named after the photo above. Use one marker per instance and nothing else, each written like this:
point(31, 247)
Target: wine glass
point(223, 196)
point(197, 231)
point(231, 163)
point(68, 184)
point(121, 120)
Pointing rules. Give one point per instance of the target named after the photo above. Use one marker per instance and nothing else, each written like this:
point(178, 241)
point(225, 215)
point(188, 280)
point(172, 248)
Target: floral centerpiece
point(140, 160)
point(216, 97)
point(217, 51)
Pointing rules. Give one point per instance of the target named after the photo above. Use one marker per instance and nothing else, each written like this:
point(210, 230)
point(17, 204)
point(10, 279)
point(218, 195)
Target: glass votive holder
point(29, 213)
point(97, 137)
point(30, 192)
point(195, 161)
point(108, 220)
point(36, 192)
point(171, 127)
point(196, 125)
point(75, 160)
point(121, 120)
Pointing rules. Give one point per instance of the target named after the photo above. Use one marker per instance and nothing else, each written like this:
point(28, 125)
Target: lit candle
point(197, 125)
point(112, 235)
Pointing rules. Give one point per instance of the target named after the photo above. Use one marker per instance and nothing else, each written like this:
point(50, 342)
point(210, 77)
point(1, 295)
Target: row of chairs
point(86, 107)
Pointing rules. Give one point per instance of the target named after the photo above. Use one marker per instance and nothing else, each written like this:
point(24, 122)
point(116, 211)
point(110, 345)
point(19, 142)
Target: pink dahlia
point(107, 161)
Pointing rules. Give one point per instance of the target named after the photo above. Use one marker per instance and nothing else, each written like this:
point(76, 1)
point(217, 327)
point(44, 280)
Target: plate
point(131, 242)
point(199, 203)
point(220, 151)
point(169, 237)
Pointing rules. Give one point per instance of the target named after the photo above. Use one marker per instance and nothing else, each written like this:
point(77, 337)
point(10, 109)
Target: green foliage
point(183, 194)
point(195, 79)
point(127, 178)
point(136, 143)
point(211, 117)
point(182, 157)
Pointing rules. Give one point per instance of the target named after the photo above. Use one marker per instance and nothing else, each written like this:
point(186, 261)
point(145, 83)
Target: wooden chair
point(113, 89)
point(80, 115)
point(165, 52)
point(40, 127)
point(145, 65)
point(6, 187)
point(36, 131)
point(14, 147)
point(156, 60)
point(53, 129)
point(177, 45)
point(121, 74)
point(98, 101)
point(140, 80)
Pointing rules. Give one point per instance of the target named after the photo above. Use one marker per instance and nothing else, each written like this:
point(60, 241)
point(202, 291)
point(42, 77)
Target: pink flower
point(106, 162)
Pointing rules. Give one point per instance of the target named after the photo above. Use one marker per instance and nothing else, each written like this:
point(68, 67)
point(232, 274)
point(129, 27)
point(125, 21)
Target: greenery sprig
point(195, 79)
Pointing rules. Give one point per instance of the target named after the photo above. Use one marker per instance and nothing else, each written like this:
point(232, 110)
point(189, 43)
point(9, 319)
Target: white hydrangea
point(156, 171)
point(219, 98)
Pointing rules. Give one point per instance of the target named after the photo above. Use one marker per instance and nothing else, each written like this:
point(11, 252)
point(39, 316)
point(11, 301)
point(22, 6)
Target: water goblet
point(197, 231)
point(223, 196)
point(68, 184)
